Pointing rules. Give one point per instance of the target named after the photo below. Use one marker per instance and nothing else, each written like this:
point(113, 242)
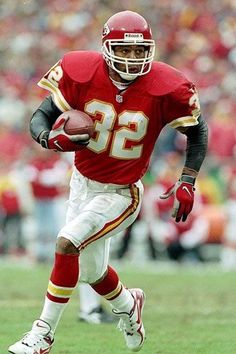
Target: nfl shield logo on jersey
point(119, 98)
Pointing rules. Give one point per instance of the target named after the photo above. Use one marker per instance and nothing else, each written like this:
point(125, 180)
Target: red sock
point(110, 286)
point(64, 277)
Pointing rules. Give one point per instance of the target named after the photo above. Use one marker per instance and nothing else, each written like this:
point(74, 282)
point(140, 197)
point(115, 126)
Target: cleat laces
point(31, 339)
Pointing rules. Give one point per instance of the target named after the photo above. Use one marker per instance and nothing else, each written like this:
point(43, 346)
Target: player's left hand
point(183, 193)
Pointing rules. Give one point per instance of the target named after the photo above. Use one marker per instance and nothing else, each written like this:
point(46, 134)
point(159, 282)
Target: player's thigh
point(102, 216)
point(94, 261)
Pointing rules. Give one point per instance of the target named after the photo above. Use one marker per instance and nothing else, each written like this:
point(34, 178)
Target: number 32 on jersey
point(116, 139)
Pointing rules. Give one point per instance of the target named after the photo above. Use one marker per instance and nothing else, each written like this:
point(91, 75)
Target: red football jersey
point(128, 122)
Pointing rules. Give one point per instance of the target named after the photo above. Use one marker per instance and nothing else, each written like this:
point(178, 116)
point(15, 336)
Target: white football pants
point(97, 211)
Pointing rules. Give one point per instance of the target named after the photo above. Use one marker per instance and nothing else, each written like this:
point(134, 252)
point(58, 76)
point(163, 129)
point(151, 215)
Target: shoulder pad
point(81, 66)
point(164, 79)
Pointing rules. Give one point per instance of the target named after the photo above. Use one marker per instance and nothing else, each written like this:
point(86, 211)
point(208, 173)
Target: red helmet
point(128, 28)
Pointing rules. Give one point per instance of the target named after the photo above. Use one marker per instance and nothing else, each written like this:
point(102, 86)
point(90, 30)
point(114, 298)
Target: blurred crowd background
point(198, 38)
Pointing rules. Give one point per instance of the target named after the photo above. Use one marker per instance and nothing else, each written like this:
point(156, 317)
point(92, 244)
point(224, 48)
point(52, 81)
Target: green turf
point(188, 311)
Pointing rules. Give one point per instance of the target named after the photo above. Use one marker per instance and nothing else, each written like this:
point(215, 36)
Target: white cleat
point(38, 341)
point(131, 323)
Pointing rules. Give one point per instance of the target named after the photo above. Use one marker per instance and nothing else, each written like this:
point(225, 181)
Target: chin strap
point(128, 77)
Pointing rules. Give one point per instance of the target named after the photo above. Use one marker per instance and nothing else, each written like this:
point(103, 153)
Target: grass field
point(189, 310)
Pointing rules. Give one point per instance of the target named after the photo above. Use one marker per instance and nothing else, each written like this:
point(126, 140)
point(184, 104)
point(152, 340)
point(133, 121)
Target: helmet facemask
point(143, 63)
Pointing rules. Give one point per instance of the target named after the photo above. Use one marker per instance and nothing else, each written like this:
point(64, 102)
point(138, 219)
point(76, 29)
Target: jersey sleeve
point(61, 86)
point(182, 108)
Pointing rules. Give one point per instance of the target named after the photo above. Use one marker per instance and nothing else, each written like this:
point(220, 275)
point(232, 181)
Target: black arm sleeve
point(197, 141)
point(43, 118)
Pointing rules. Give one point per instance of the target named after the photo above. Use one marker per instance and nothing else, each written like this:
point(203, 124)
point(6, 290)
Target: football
point(77, 122)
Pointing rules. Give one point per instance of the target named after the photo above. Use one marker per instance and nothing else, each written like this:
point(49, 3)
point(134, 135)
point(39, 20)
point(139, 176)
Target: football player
point(130, 99)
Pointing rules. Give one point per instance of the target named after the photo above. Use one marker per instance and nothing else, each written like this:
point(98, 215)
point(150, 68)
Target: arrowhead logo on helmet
point(106, 30)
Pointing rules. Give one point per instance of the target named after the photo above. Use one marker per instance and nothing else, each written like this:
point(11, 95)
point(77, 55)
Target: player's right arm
point(43, 118)
point(43, 125)
point(49, 132)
